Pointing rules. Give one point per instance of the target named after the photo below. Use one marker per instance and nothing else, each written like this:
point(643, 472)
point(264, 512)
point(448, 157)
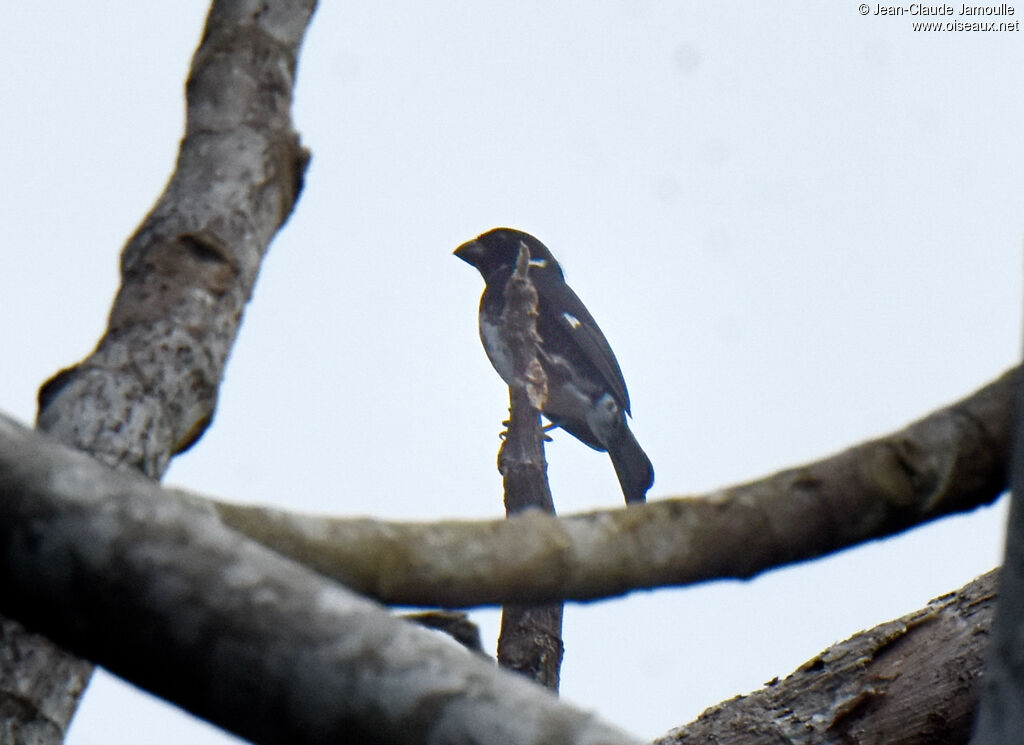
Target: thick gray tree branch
point(161, 593)
point(912, 681)
point(952, 460)
point(150, 387)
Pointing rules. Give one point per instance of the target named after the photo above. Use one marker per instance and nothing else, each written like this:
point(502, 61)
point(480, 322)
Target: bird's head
point(497, 249)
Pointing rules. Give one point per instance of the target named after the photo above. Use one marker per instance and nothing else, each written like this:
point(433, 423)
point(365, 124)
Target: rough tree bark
point(530, 641)
point(150, 387)
point(912, 681)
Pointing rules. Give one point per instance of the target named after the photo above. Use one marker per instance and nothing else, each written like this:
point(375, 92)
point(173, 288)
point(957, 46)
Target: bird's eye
point(539, 263)
point(572, 320)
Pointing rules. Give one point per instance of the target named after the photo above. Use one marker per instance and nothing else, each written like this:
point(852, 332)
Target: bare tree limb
point(912, 681)
point(530, 641)
point(959, 454)
point(952, 460)
point(150, 387)
point(161, 593)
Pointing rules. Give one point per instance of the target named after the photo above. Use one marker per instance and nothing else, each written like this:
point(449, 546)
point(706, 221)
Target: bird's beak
point(471, 252)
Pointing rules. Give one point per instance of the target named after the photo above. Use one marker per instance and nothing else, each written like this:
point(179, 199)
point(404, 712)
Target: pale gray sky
point(798, 226)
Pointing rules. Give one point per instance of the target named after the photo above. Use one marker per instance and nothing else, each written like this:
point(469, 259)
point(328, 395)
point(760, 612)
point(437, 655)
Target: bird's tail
point(632, 466)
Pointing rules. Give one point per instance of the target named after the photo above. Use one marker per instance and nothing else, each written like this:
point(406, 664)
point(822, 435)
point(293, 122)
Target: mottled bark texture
point(157, 590)
point(149, 389)
point(1001, 714)
point(41, 685)
point(912, 681)
point(530, 640)
point(953, 460)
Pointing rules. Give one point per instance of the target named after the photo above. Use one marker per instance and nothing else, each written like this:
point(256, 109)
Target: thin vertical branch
point(1000, 718)
point(531, 636)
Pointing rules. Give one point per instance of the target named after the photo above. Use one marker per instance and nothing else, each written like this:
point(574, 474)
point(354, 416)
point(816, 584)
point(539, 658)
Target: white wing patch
point(572, 320)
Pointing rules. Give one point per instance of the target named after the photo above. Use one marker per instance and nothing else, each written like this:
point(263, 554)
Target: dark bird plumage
point(587, 396)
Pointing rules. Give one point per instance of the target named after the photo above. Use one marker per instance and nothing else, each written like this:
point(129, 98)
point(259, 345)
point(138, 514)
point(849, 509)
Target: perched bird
point(586, 393)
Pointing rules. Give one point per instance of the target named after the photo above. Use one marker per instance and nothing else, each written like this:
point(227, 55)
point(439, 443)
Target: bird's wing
point(568, 323)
